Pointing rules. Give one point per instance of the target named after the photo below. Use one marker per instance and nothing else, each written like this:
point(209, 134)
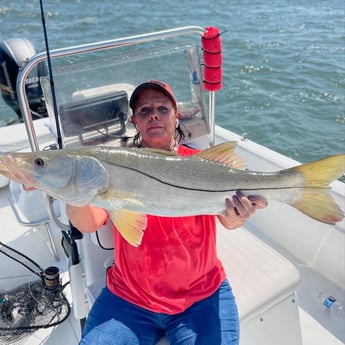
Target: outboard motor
point(14, 52)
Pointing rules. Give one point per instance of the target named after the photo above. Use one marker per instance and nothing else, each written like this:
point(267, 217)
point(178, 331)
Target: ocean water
point(284, 60)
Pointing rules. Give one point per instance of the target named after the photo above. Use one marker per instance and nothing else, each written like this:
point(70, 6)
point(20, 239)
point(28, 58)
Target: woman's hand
point(240, 208)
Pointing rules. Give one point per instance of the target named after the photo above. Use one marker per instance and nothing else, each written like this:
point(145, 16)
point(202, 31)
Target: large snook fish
point(131, 183)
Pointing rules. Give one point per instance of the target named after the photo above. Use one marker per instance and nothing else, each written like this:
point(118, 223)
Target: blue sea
point(284, 60)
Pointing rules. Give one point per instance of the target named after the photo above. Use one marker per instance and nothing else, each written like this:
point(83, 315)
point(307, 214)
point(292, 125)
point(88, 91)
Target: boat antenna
point(57, 125)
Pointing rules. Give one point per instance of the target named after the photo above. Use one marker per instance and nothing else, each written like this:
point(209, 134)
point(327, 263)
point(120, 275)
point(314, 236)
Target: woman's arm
point(86, 218)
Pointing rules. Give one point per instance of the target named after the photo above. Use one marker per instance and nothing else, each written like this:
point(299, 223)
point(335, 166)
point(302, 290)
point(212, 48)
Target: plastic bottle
point(331, 304)
point(3, 299)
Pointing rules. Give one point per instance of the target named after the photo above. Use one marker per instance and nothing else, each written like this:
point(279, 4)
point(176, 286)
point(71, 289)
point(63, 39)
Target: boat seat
point(263, 282)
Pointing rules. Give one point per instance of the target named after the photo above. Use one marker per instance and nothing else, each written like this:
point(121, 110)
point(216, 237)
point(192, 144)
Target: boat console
point(98, 115)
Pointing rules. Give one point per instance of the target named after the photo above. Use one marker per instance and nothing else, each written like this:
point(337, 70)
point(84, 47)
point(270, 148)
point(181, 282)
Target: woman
point(173, 283)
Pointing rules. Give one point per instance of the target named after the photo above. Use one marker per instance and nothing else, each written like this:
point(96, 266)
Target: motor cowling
point(14, 53)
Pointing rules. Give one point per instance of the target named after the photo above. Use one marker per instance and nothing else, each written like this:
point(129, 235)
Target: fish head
point(73, 178)
point(37, 169)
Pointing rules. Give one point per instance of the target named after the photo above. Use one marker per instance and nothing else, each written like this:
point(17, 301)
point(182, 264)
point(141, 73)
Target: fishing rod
point(70, 233)
point(52, 86)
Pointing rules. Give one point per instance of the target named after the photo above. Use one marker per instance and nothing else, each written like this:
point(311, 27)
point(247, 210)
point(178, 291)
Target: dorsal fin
point(223, 153)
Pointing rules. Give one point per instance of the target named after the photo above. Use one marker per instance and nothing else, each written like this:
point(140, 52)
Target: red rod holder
point(212, 50)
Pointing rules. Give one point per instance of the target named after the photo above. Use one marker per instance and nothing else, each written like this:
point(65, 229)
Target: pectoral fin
point(113, 194)
point(130, 224)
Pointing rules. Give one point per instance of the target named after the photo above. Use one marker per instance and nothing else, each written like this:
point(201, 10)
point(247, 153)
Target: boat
point(286, 269)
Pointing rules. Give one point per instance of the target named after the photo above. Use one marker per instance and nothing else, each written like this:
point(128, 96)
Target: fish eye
point(39, 162)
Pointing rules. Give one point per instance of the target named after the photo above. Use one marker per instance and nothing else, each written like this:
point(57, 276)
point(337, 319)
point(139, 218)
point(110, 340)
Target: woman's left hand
point(240, 208)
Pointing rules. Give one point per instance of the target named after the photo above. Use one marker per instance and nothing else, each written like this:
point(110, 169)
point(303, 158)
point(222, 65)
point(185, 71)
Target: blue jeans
point(114, 321)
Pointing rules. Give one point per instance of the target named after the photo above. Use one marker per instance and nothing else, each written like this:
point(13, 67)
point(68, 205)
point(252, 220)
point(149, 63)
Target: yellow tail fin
point(316, 201)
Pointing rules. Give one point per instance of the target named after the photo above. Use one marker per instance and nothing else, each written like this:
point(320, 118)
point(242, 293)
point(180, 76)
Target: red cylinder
point(212, 78)
point(211, 41)
point(212, 59)
point(212, 51)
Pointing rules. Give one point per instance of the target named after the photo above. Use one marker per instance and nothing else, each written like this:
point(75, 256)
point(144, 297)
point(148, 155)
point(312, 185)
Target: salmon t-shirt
point(175, 266)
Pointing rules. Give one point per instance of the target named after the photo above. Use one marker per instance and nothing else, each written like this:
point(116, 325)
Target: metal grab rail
point(91, 47)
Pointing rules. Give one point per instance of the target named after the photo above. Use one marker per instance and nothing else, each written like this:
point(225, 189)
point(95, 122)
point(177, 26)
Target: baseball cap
point(152, 84)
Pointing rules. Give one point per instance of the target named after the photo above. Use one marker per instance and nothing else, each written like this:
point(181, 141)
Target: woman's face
point(155, 118)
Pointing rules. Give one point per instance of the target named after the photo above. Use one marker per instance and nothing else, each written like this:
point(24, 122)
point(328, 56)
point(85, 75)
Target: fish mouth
point(3, 167)
point(9, 168)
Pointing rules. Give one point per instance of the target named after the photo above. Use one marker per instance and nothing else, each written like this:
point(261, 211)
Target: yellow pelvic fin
point(316, 200)
point(130, 224)
point(225, 154)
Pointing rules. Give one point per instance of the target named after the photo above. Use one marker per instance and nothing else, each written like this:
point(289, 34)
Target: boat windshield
point(92, 91)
